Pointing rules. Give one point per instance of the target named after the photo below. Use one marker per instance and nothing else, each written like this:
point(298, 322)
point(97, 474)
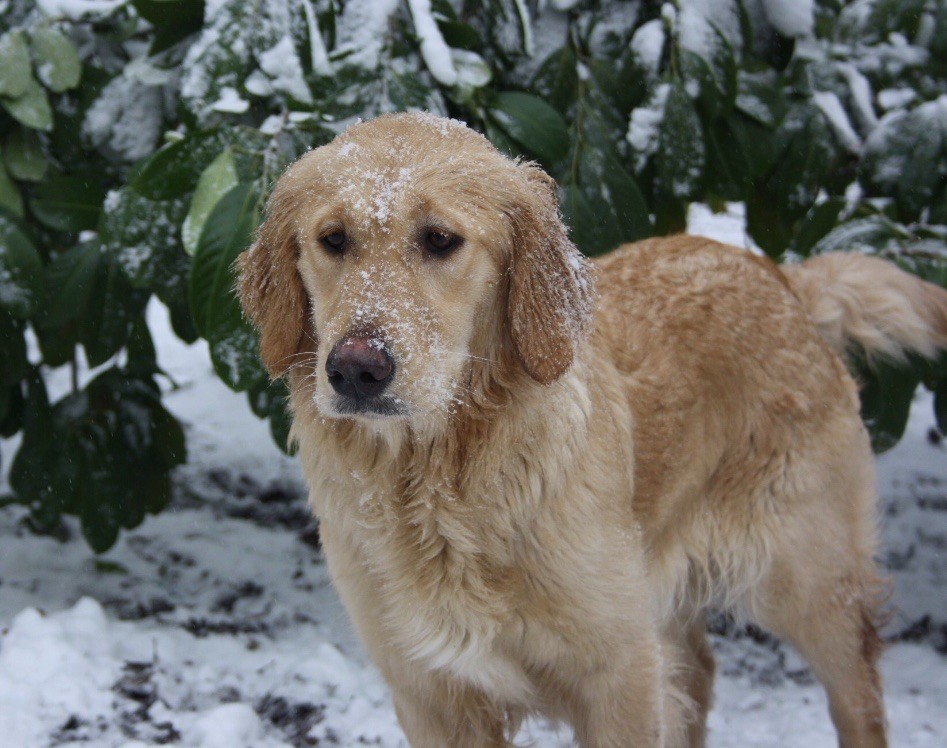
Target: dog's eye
point(334, 242)
point(440, 242)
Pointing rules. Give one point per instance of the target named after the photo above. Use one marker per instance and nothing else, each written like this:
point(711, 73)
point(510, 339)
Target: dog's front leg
point(627, 703)
point(439, 713)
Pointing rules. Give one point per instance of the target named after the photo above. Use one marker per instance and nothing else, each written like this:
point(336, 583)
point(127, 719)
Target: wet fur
point(589, 456)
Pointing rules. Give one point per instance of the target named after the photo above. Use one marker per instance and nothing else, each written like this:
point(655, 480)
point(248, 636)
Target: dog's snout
point(360, 367)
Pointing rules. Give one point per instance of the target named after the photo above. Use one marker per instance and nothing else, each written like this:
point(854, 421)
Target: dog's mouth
point(379, 406)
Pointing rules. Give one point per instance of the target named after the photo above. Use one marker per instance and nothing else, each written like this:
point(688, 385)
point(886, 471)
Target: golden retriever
point(533, 472)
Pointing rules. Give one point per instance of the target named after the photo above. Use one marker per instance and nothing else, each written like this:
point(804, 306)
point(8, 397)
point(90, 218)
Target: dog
point(534, 472)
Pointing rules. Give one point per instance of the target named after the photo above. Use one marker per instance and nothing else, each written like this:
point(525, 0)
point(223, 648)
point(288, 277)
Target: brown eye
point(440, 242)
point(334, 242)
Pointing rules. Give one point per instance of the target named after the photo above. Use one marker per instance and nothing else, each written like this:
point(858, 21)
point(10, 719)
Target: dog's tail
point(866, 306)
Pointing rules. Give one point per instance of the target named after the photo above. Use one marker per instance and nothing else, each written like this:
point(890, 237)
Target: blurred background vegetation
point(140, 138)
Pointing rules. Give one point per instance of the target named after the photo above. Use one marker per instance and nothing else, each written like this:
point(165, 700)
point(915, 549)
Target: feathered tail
point(864, 305)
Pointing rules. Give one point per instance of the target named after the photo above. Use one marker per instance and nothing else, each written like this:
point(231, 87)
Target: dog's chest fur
point(447, 556)
point(446, 581)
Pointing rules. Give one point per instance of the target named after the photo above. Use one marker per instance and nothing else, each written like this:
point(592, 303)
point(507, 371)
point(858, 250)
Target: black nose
point(360, 367)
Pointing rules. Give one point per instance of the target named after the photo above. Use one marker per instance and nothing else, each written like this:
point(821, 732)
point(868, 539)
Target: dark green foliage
point(138, 145)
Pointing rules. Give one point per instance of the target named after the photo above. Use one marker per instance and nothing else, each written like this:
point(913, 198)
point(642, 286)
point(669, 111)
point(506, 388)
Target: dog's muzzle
point(360, 368)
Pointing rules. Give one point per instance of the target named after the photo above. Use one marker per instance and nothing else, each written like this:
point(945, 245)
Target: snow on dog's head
point(401, 252)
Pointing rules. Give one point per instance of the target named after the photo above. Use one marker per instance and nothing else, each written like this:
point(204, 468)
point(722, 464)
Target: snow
point(728, 226)
point(895, 98)
point(861, 96)
point(318, 56)
point(644, 126)
point(434, 49)
point(791, 17)
point(127, 116)
point(214, 623)
point(697, 19)
point(833, 110)
point(230, 101)
point(76, 10)
point(281, 63)
point(647, 45)
point(361, 30)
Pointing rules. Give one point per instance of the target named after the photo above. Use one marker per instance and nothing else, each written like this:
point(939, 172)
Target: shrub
point(140, 138)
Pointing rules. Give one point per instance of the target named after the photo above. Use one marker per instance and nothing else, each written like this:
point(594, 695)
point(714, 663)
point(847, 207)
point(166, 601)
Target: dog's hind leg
point(697, 677)
point(821, 593)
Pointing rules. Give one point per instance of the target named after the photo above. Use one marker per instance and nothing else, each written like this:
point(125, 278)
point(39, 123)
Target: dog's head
point(399, 253)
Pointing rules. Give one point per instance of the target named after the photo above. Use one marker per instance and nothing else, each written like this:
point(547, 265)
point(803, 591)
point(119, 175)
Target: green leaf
point(620, 207)
point(806, 154)
point(177, 14)
point(69, 203)
point(14, 364)
point(818, 222)
point(940, 404)
point(70, 279)
point(886, 397)
point(729, 172)
point(227, 232)
point(175, 170)
point(11, 420)
point(270, 400)
point(715, 75)
point(21, 271)
point(215, 181)
point(557, 81)
point(57, 61)
point(214, 307)
point(591, 234)
point(43, 471)
point(681, 152)
point(532, 123)
point(10, 198)
point(23, 155)
point(868, 234)
point(107, 321)
point(143, 236)
point(15, 72)
point(31, 108)
point(100, 525)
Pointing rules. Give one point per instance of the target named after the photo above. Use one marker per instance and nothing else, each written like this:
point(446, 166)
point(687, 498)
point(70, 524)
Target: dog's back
point(753, 474)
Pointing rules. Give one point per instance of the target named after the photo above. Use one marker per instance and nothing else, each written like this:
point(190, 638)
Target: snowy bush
point(140, 138)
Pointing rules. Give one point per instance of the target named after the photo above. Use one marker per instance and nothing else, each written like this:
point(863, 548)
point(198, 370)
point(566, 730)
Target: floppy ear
point(551, 288)
point(271, 291)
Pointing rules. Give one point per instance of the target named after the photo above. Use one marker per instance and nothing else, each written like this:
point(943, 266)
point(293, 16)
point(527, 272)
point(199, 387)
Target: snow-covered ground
point(214, 624)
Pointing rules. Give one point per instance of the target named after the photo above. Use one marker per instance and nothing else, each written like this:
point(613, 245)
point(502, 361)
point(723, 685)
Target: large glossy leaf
point(532, 123)
point(216, 181)
point(886, 397)
point(13, 362)
point(171, 13)
point(90, 302)
point(214, 307)
point(57, 61)
point(69, 203)
point(31, 108)
point(681, 155)
point(174, 171)
point(143, 236)
point(21, 271)
point(23, 155)
point(15, 72)
point(10, 198)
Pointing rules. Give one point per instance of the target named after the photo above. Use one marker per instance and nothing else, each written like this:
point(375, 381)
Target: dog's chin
point(381, 408)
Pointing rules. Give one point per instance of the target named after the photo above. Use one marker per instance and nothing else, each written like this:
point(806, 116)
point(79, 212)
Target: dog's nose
point(360, 367)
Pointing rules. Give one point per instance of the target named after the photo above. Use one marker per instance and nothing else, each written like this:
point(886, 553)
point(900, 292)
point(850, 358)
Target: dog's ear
point(270, 289)
point(551, 286)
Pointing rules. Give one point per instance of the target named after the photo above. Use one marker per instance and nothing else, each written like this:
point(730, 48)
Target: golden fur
point(588, 454)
